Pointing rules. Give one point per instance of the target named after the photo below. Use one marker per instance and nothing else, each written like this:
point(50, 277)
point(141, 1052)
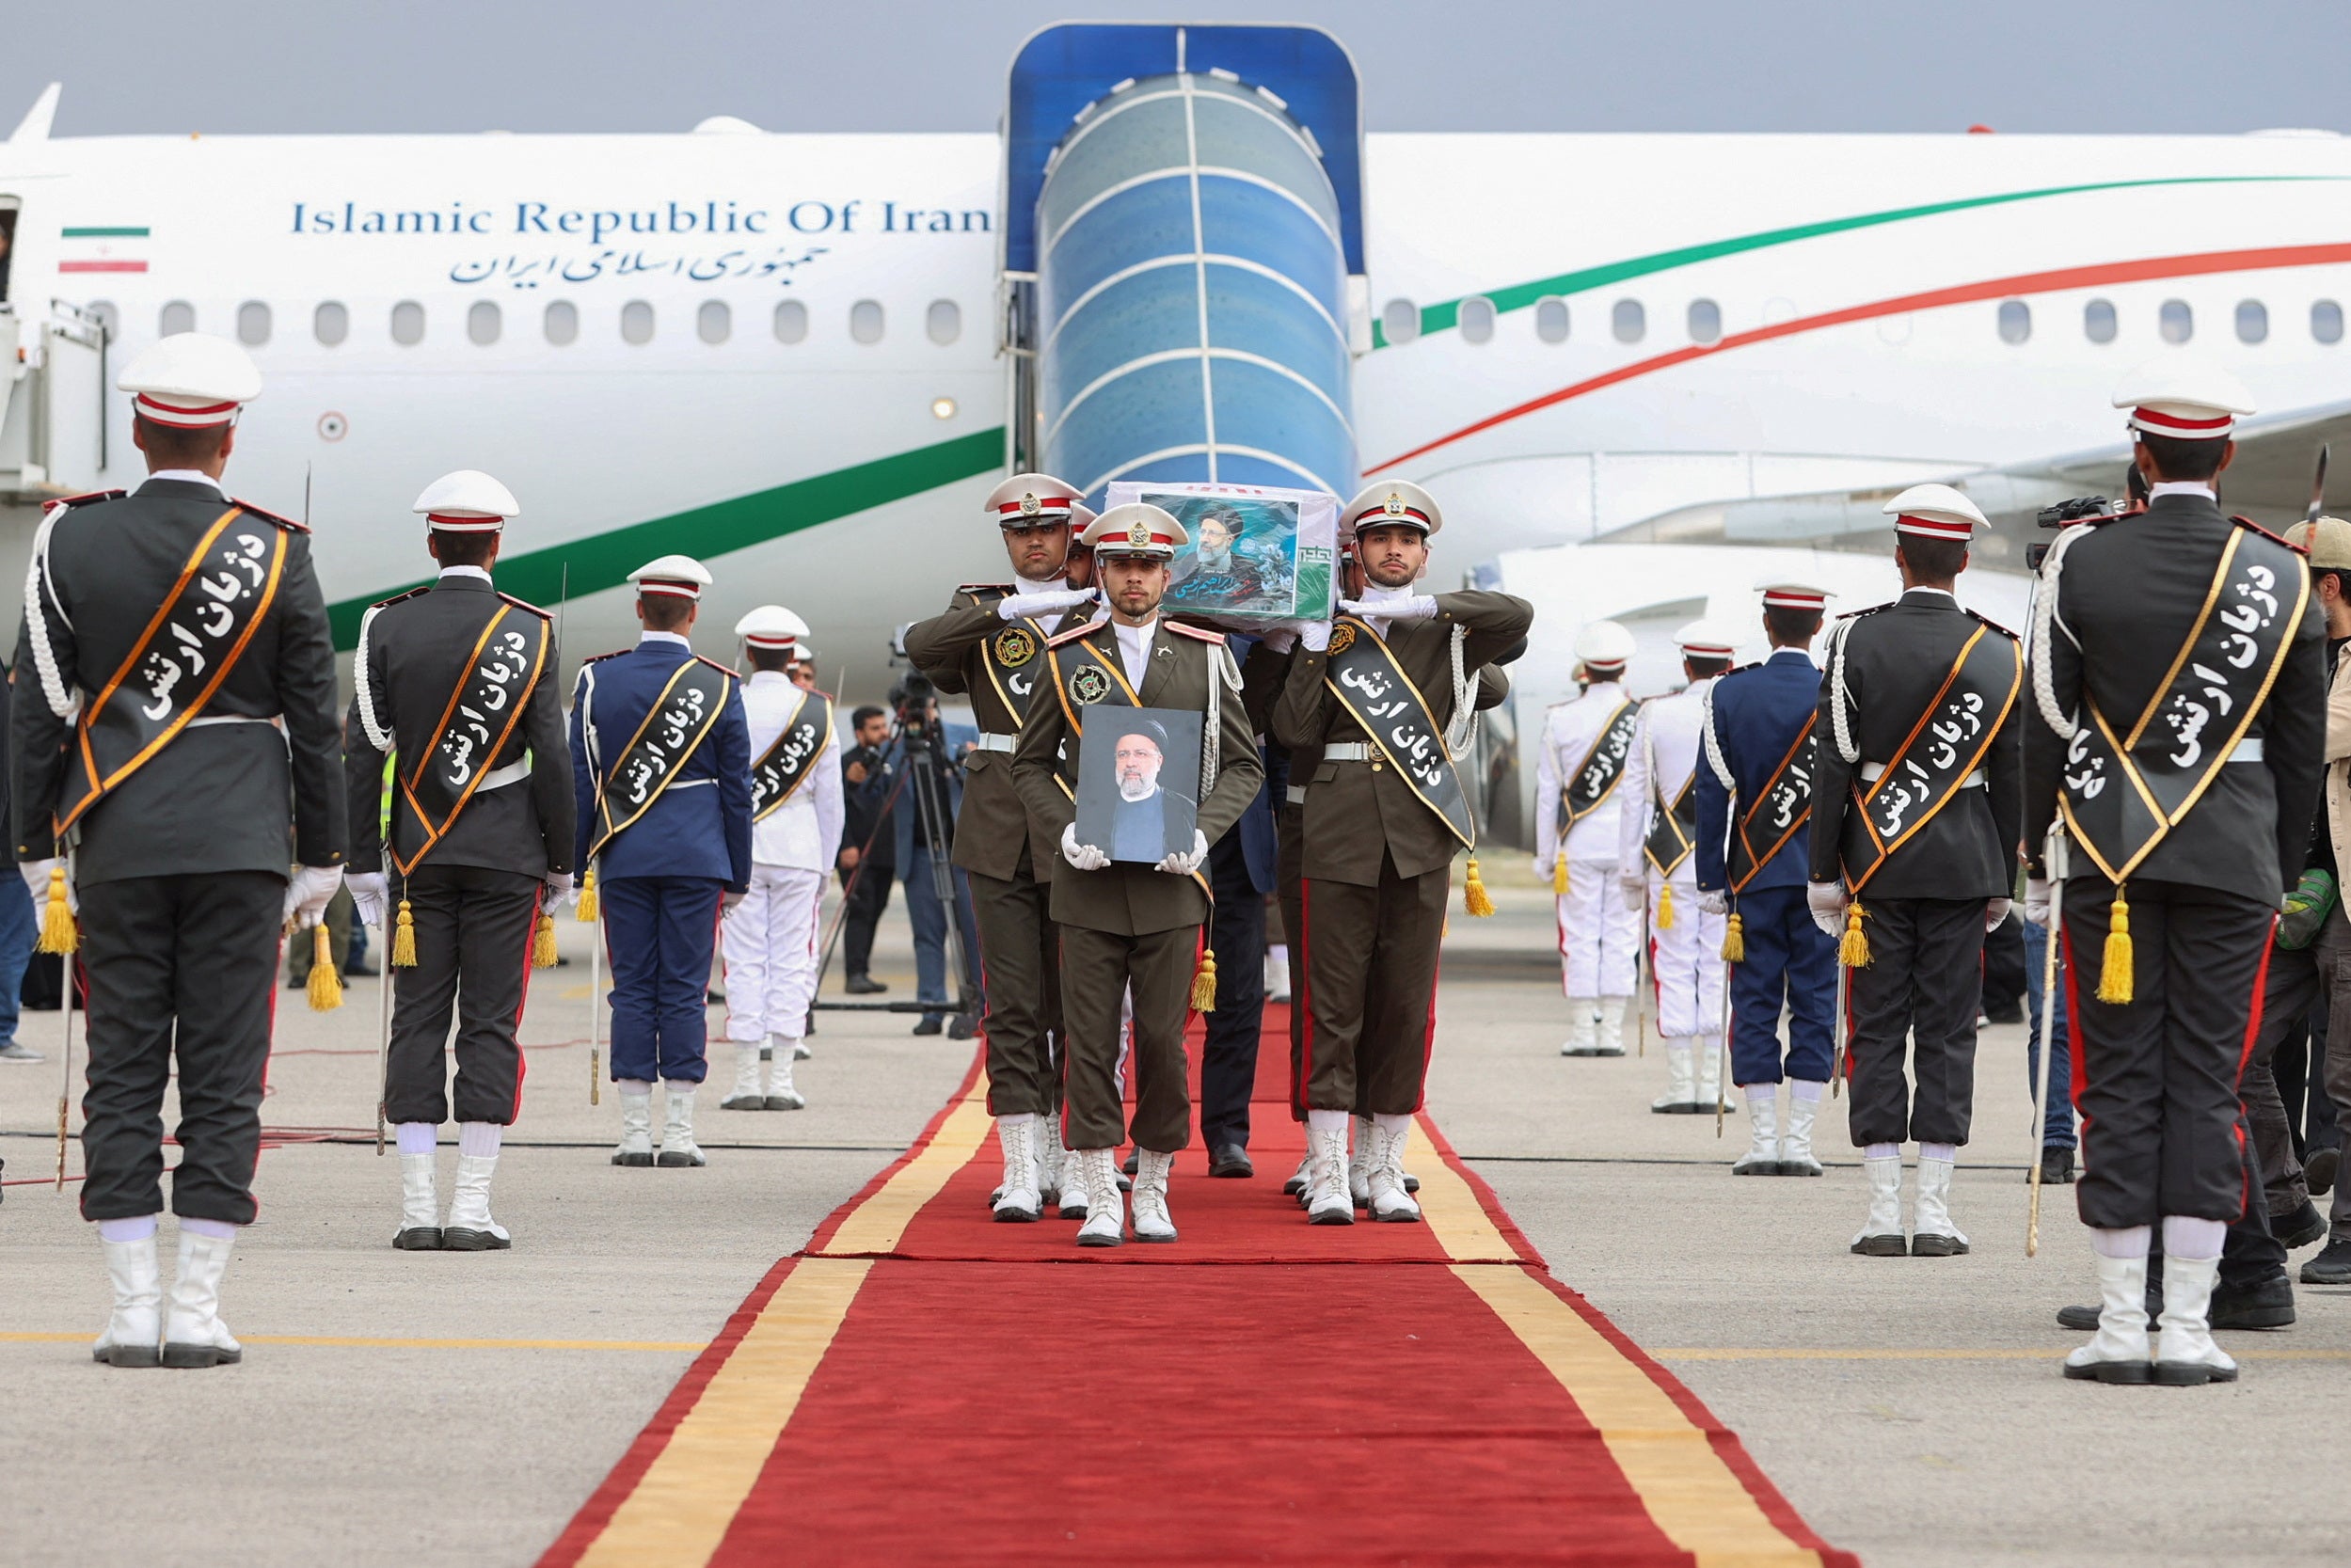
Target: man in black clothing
point(868, 857)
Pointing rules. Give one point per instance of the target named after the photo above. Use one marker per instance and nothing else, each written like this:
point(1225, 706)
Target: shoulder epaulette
point(598, 658)
point(1201, 632)
point(999, 589)
point(1741, 669)
point(726, 670)
point(1074, 633)
point(1872, 610)
point(268, 517)
point(525, 604)
point(403, 598)
point(1988, 621)
point(91, 498)
point(2248, 523)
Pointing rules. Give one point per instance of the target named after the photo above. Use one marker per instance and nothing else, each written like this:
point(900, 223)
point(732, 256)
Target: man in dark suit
point(18, 926)
point(1242, 869)
point(457, 684)
point(190, 630)
point(868, 863)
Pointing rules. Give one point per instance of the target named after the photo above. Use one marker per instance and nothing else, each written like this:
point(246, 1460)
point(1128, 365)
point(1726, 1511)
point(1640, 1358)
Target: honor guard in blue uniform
point(662, 769)
point(1754, 798)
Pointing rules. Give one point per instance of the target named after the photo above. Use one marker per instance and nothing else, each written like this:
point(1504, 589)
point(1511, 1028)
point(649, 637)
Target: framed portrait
point(1254, 554)
point(1139, 773)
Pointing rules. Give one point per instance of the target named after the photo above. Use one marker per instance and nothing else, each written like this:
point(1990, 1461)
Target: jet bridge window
point(636, 322)
point(2326, 321)
point(1476, 319)
point(2098, 321)
point(178, 316)
point(484, 321)
point(561, 323)
point(330, 324)
point(1551, 319)
point(407, 323)
point(2016, 321)
point(1706, 320)
point(713, 321)
point(2177, 321)
point(792, 322)
point(1629, 321)
point(253, 324)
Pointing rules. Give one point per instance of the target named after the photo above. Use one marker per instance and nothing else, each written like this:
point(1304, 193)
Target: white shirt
point(677, 637)
point(805, 831)
point(2154, 492)
point(1134, 650)
point(1041, 585)
point(1665, 745)
point(1569, 733)
point(1922, 588)
point(188, 476)
point(482, 572)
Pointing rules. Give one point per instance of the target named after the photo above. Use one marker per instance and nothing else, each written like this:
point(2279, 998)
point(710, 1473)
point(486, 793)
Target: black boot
point(2264, 1304)
point(2299, 1229)
point(863, 985)
point(2332, 1266)
point(2056, 1167)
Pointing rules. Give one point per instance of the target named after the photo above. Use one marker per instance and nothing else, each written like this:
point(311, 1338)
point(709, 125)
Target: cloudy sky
point(1427, 65)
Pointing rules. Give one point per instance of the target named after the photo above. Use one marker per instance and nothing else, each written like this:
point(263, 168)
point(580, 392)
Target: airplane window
point(2252, 321)
point(1629, 321)
point(2177, 321)
point(636, 322)
point(253, 324)
point(407, 322)
point(2098, 321)
point(178, 316)
point(561, 322)
point(865, 320)
point(1476, 319)
point(1551, 319)
point(330, 324)
point(944, 321)
point(481, 322)
point(2016, 321)
point(1400, 321)
point(713, 321)
point(1706, 320)
point(2326, 321)
point(792, 322)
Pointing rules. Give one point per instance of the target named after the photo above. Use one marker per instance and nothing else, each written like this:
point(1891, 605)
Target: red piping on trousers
point(1559, 918)
point(529, 942)
point(2078, 1074)
point(1428, 1036)
point(2252, 1033)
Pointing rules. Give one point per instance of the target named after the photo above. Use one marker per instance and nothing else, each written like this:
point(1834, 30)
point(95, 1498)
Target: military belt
point(999, 742)
point(1873, 772)
point(1352, 751)
point(499, 778)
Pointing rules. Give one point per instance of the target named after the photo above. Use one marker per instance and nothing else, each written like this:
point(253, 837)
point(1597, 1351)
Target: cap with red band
point(1704, 640)
point(2184, 399)
point(467, 501)
point(1030, 500)
point(678, 576)
point(1935, 512)
point(190, 381)
point(1137, 528)
point(773, 627)
point(1794, 595)
point(1393, 503)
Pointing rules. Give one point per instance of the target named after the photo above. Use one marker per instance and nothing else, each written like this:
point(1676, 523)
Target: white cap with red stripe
point(1393, 503)
point(1704, 640)
point(467, 501)
point(2184, 397)
point(1603, 643)
point(1137, 527)
point(191, 381)
point(773, 627)
point(1793, 595)
point(679, 576)
point(1030, 500)
point(1935, 512)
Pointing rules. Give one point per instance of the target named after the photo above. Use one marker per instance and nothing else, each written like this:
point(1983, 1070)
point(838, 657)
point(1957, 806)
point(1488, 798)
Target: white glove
point(371, 893)
point(1714, 901)
point(1635, 885)
point(36, 874)
point(728, 900)
point(1315, 635)
point(1180, 862)
point(311, 889)
point(2036, 901)
point(1047, 603)
point(1085, 857)
point(560, 891)
point(1419, 607)
point(1828, 901)
point(1995, 911)
point(1543, 865)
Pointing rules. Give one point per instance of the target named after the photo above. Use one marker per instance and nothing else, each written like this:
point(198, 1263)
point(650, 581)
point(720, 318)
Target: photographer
point(920, 747)
point(869, 842)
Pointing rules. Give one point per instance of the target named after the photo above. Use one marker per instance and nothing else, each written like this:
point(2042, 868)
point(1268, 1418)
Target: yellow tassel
point(1204, 983)
point(1473, 895)
point(589, 912)
point(405, 939)
point(1666, 905)
point(2114, 970)
point(1854, 951)
point(58, 932)
point(1559, 875)
point(326, 984)
point(1735, 940)
point(543, 943)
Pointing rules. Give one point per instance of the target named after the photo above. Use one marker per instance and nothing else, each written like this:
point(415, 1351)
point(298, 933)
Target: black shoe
point(863, 985)
point(2265, 1303)
point(2056, 1166)
point(1937, 1246)
point(713, 997)
point(361, 971)
point(2332, 1266)
point(1893, 1244)
point(419, 1238)
point(930, 1025)
point(963, 1026)
point(1294, 1187)
point(2084, 1320)
point(1230, 1160)
point(2301, 1229)
point(2007, 1012)
point(2319, 1170)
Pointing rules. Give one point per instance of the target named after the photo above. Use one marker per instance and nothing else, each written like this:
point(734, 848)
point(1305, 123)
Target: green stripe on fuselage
point(103, 233)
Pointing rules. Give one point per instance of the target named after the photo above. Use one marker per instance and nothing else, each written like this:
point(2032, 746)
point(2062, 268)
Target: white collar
point(2178, 487)
point(482, 572)
point(188, 476)
point(1922, 588)
point(772, 676)
point(1375, 593)
point(1137, 636)
point(1041, 585)
point(678, 638)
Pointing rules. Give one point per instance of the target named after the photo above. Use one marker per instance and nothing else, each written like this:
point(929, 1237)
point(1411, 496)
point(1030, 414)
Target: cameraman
point(869, 840)
point(922, 746)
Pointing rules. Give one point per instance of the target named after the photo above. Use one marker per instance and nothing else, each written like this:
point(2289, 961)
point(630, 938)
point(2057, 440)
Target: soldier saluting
point(183, 721)
point(457, 684)
point(2178, 675)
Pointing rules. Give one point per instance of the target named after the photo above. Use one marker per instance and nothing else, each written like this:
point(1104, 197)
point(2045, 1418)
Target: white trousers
point(1598, 933)
point(771, 941)
point(1686, 959)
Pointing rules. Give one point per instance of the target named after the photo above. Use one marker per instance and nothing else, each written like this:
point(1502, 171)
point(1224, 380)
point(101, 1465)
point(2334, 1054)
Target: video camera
point(2081, 508)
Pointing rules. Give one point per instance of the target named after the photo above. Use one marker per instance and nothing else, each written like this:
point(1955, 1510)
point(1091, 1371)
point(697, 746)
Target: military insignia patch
point(1138, 535)
point(1342, 638)
point(1015, 647)
point(1393, 506)
point(1029, 507)
point(1089, 684)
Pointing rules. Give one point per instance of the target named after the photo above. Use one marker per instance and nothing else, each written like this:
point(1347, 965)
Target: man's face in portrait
point(1138, 760)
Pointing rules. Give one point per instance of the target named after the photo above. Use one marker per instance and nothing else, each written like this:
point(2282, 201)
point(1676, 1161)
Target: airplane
point(806, 358)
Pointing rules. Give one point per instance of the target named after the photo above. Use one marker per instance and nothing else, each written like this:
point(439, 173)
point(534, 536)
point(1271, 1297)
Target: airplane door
point(53, 372)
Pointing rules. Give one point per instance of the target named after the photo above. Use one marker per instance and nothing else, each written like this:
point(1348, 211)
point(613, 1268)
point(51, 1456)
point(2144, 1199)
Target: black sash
point(788, 763)
point(1373, 686)
point(198, 633)
point(685, 713)
point(480, 718)
point(2123, 795)
point(1777, 813)
point(1674, 832)
point(1949, 742)
point(1596, 776)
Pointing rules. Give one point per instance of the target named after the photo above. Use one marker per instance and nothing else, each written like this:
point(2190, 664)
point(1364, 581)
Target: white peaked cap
point(2183, 397)
point(467, 501)
point(805, 653)
point(1603, 643)
point(191, 381)
point(1935, 512)
point(681, 575)
point(1026, 500)
point(1394, 502)
point(772, 625)
point(1794, 595)
point(1706, 639)
point(1137, 527)
point(1081, 516)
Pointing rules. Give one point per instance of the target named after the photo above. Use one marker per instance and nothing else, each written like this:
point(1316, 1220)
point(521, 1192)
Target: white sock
point(2129, 1241)
point(1939, 1151)
point(1278, 954)
point(218, 1230)
point(1882, 1152)
point(1760, 1094)
point(479, 1139)
point(1328, 1121)
point(1018, 1118)
point(418, 1137)
point(137, 1229)
point(2192, 1240)
point(633, 1088)
point(1387, 1123)
point(1804, 1089)
point(676, 1085)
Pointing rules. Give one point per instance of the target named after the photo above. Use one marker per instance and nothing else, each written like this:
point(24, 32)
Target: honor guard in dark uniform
point(177, 731)
point(990, 646)
point(660, 757)
point(1755, 800)
point(1386, 695)
point(1579, 766)
point(1131, 927)
point(2178, 724)
point(455, 686)
point(1916, 816)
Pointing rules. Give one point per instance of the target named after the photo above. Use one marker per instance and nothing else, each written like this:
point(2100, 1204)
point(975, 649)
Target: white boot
point(1583, 1028)
point(801, 1050)
point(2184, 1354)
point(1046, 1139)
point(470, 1227)
point(1611, 1040)
point(1882, 1236)
point(1763, 1133)
point(419, 1207)
point(1074, 1204)
point(1390, 1201)
point(1796, 1157)
point(1681, 1082)
point(1105, 1212)
point(1296, 1186)
point(1708, 1051)
point(1328, 1200)
point(1360, 1160)
point(781, 1095)
point(136, 1322)
point(1278, 973)
point(746, 1094)
point(677, 1136)
point(1931, 1232)
point(2118, 1351)
point(1019, 1202)
point(636, 1129)
point(1152, 1223)
point(194, 1336)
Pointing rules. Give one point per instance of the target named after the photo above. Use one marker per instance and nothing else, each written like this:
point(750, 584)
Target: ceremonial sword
point(1837, 1065)
point(2054, 860)
point(1723, 1067)
point(595, 942)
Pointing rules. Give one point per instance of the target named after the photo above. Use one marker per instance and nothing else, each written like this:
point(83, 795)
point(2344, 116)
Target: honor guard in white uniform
point(1657, 843)
point(770, 937)
point(1578, 771)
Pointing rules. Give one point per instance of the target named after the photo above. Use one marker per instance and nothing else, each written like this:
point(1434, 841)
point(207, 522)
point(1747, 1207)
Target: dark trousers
point(184, 970)
point(2005, 983)
point(2315, 979)
point(1228, 1055)
point(1919, 989)
point(2057, 1122)
point(659, 933)
point(1020, 980)
point(927, 913)
point(1289, 859)
point(1371, 989)
point(1789, 964)
point(473, 931)
point(2155, 1078)
point(860, 913)
point(1097, 969)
